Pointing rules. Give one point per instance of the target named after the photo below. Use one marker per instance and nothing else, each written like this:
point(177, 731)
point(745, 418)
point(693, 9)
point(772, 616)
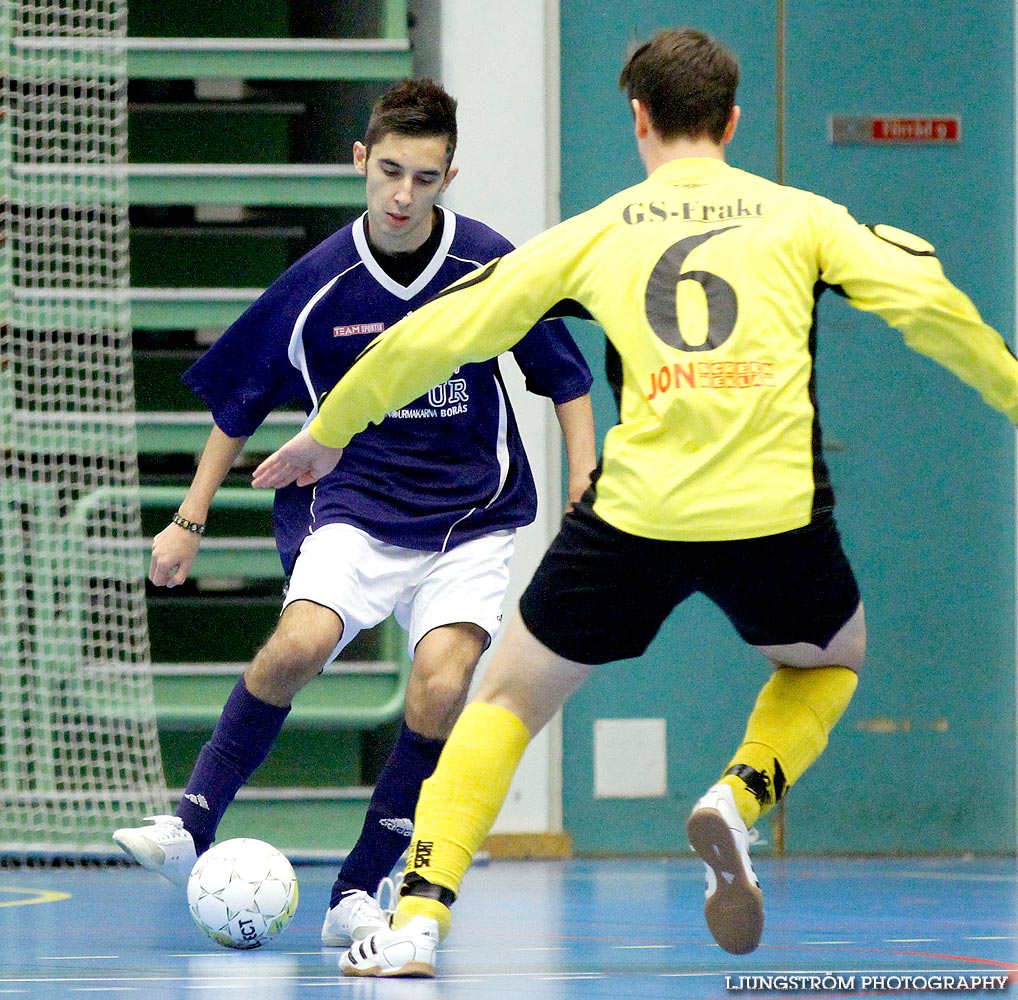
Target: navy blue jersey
point(446, 468)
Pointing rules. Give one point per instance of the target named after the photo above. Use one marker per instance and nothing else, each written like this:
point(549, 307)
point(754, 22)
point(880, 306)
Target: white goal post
point(79, 751)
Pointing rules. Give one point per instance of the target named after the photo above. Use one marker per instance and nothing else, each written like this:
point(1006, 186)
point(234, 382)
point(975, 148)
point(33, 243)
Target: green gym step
point(228, 559)
point(188, 308)
point(285, 184)
point(176, 432)
point(310, 822)
point(220, 558)
point(270, 58)
point(349, 695)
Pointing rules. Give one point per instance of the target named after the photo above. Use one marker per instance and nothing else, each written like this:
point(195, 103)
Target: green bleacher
point(239, 150)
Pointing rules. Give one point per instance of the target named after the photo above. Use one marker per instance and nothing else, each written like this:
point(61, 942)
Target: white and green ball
point(242, 892)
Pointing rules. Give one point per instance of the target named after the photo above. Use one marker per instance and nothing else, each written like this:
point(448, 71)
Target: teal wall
point(924, 761)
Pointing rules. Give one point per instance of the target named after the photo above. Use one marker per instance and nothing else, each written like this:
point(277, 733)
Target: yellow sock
point(461, 800)
point(787, 731)
point(418, 906)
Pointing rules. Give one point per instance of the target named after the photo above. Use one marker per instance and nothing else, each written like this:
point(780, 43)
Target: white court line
point(704, 975)
point(74, 958)
point(207, 954)
point(951, 876)
point(217, 986)
point(186, 981)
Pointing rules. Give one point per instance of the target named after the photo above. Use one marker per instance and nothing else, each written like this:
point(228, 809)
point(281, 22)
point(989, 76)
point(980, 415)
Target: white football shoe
point(165, 847)
point(354, 917)
point(734, 903)
point(386, 954)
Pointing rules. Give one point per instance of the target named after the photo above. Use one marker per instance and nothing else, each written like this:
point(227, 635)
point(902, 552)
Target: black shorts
point(601, 594)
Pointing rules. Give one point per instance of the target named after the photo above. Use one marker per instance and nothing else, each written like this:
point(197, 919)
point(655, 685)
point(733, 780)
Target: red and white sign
point(906, 129)
point(916, 129)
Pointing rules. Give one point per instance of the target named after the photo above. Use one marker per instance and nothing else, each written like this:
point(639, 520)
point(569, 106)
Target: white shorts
point(364, 581)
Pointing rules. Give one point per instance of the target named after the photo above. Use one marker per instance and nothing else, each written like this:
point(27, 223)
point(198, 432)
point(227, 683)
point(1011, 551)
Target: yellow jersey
point(705, 280)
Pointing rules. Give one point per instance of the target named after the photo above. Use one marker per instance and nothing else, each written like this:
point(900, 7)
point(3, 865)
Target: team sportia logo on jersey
point(357, 329)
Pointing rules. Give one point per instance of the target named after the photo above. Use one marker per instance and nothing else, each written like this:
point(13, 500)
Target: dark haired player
point(418, 521)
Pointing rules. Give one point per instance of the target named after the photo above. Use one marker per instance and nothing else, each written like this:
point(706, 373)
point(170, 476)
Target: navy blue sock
point(240, 742)
point(389, 822)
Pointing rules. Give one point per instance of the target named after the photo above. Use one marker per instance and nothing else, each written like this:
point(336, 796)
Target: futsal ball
point(242, 892)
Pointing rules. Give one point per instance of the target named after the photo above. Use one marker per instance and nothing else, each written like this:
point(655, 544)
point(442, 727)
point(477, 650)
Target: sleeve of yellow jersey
point(476, 318)
point(897, 276)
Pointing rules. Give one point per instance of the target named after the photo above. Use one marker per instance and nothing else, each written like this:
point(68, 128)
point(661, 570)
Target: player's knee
point(444, 691)
point(443, 666)
point(434, 701)
point(293, 658)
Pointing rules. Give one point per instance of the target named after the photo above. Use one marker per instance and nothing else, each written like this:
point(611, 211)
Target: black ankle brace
point(417, 885)
point(759, 782)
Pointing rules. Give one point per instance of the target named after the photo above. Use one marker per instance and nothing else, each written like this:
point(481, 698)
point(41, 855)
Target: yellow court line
point(35, 896)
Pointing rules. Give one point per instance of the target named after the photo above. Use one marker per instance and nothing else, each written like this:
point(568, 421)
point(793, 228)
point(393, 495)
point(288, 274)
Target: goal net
point(79, 752)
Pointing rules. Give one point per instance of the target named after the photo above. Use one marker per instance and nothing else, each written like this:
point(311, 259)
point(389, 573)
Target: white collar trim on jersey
point(407, 292)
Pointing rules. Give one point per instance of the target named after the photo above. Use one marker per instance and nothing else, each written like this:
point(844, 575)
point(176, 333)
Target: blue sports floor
point(540, 930)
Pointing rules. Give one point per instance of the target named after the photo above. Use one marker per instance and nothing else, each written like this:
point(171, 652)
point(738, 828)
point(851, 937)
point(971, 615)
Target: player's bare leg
point(526, 678)
point(295, 653)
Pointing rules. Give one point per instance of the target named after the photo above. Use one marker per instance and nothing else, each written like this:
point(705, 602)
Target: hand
point(173, 552)
point(301, 460)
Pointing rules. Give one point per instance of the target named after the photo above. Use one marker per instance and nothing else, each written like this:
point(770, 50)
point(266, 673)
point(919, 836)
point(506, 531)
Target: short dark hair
point(687, 82)
point(414, 108)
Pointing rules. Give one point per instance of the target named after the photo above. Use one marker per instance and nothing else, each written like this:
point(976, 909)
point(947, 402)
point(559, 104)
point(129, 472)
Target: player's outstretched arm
point(302, 460)
point(174, 549)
